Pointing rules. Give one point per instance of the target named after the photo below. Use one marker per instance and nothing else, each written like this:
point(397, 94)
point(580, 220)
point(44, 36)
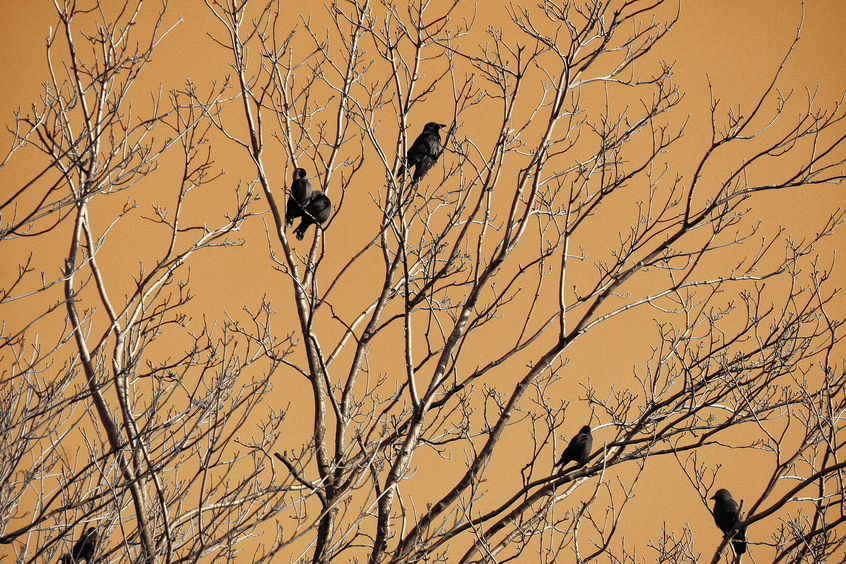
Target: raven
point(84, 547)
point(424, 151)
point(317, 210)
point(726, 516)
point(578, 450)
point(300, 196)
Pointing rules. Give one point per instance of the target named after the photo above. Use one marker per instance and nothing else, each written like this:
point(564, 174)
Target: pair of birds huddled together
point(726, 510)
point(313, 206)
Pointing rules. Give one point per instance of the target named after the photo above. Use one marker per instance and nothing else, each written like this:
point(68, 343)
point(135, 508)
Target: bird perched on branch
point(300, 196)
point(726, 516)
point(83, 549)
point(578, 450)
point(317, 210)
point(423, 152)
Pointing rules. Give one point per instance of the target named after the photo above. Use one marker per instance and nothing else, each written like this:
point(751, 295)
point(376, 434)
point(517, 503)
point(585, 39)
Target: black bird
point(317, 210)
point(84, 547)
point(424, 151)
point(300, 196)
point(726, 515)
point(579, 448)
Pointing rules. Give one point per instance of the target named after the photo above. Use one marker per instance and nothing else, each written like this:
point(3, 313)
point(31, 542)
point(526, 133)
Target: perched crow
point(84, 547)
point(424, 152)
point(579, 448)
point(300, 196)
point(317, 210)
point(726, 514)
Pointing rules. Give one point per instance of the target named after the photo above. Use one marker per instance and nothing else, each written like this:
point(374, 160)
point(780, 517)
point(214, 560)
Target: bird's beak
point(441, 125)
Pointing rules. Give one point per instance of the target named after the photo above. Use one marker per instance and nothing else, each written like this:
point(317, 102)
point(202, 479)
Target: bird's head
point(299, 173)
point(722, 495)
point(585, 429)
point(432, 126)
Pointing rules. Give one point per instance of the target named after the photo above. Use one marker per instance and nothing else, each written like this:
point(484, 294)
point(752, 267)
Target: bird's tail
point(739, 542)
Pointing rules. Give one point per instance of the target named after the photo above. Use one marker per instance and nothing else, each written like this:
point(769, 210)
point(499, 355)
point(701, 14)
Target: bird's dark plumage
point(84, 548)
point(424, 151)
point(300, 196)
point(316, 211)
point(579, 448)
point(726, 515)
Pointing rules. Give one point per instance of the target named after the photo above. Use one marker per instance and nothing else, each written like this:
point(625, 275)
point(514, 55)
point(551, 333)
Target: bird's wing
point(433, 146)
point(417, 150)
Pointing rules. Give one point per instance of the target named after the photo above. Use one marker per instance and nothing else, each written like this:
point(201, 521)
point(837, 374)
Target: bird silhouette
point(726, 516)
point(317, 210)
point(578, 450)
point(424, 151)
point(84, 548)
point(300, 196)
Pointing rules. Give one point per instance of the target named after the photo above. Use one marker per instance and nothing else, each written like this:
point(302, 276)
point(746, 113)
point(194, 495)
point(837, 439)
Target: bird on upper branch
point(423, 153)
point(317, 210)
point(300, 196)
point(578, 450)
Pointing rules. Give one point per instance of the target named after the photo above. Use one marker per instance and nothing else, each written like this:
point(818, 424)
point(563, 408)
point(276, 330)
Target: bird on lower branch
point(727, 516)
